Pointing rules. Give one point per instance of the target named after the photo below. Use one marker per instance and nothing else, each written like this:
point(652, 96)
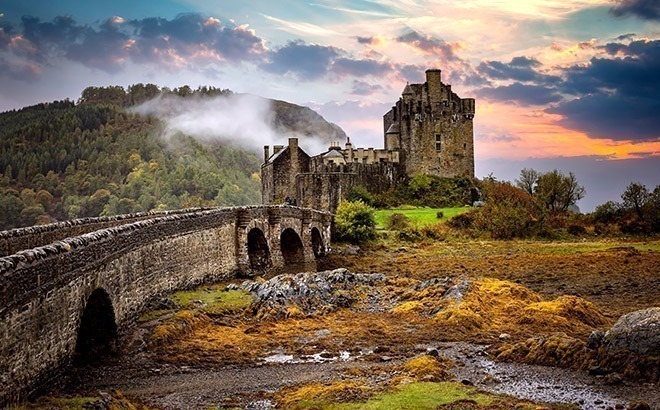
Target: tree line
point(65, 160)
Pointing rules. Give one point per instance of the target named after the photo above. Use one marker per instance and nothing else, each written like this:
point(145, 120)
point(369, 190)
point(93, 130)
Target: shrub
point(397, 222)
point(576, 230)
point(462, 221)
point(440, 215)
point(360, 193)
point(355, 221)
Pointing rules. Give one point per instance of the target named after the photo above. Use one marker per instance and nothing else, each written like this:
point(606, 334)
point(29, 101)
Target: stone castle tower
point(428, 131)
point(432, 128)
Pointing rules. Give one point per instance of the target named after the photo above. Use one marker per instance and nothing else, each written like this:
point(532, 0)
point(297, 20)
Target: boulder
point(638, 332)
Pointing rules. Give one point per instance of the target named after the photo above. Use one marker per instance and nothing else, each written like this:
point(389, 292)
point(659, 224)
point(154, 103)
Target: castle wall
point(325, 186)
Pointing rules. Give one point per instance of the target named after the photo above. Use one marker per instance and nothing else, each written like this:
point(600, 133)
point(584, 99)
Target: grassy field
point(418, 216)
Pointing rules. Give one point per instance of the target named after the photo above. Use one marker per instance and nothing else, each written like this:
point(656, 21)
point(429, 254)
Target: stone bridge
point(68, 289)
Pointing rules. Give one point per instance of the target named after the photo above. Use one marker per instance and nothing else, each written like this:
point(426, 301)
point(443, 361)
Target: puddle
point(321, 357)
point(542, 383)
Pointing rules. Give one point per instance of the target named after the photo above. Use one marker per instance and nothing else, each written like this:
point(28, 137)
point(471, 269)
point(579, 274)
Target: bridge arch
point(258, 250)
point(317, 243)
point(97, 334)
point(292, 250)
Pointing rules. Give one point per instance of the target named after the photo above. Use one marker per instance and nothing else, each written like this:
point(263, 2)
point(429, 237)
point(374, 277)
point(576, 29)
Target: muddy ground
point(196, 356)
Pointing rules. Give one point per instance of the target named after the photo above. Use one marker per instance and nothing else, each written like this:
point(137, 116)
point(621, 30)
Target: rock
point(385, 359)
point(433, 352)
point(351, 250)
point(637, 332)
point(613, 379)
point(457, 291)
point(307, 293)
point(505, 336)
point(595, 339)
point(597, 371)
point(466, 382)
point(639, 405)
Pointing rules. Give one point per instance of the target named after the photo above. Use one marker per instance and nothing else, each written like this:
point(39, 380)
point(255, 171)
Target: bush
point(509, 212)
point(440, 215)
point(576, 230)
point(462, 221)
point(355, 221)
point(360, 193)
point(397, 222)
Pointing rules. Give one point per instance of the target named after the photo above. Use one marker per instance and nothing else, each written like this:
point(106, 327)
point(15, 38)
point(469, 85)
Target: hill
point(65, 160)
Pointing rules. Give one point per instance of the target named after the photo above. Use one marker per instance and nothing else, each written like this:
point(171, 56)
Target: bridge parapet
point(18, 239)
point(44, 290)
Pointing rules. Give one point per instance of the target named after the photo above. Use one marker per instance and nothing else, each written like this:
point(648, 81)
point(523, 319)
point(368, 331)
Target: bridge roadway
point(69, 289)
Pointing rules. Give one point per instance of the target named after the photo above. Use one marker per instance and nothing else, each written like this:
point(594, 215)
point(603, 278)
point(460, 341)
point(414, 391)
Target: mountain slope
point(63, 160)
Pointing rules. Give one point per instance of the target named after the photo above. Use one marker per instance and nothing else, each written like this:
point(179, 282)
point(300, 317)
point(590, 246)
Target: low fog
point(238, 119)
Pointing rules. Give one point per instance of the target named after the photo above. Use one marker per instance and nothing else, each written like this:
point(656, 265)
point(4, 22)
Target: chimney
point(266, 153)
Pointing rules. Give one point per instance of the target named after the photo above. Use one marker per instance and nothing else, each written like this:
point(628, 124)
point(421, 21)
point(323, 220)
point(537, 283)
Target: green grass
point(214, 299)
point(417, 396)
point(418, 216)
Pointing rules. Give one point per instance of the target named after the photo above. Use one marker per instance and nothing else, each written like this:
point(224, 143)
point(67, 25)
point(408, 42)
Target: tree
point(528, 179)
point(558, 191)
point(355, 221)
point(635, 197)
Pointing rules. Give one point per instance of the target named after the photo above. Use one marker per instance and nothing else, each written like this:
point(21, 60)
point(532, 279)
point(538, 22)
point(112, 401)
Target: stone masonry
point(44, 290)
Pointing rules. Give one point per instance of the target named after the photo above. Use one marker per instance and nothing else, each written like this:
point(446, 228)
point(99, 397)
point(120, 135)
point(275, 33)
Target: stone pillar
point(306, 238)
point(242, 257)
point(274, 232)
point(326, 232)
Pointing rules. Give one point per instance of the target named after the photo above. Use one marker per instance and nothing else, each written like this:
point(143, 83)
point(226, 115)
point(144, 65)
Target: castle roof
point(407, 90)
point(333, 153)
point(394, 129)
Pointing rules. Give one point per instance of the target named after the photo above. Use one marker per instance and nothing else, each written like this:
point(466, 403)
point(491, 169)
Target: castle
point(428, 131)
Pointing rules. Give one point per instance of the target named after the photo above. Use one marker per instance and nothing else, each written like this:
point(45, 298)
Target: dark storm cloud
point(104, 49)
point(186, 33)
point(304, 61)
point(618, 97)
point(524, 94)
point(360, 68)
point(644, 9)
point(612, 116)
point(430, 45)
point(109, 45)
point(518, 69)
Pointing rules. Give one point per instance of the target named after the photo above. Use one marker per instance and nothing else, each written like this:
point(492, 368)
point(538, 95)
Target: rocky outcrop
point(307, 293)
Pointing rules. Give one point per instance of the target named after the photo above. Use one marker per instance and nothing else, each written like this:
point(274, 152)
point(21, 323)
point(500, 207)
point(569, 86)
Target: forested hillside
point(65, 160)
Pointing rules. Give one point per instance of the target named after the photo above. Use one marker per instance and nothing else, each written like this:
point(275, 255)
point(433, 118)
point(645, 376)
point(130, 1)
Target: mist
point(237, 119)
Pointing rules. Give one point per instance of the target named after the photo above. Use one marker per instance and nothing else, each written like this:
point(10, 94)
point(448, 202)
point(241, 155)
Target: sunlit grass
point(418, 216)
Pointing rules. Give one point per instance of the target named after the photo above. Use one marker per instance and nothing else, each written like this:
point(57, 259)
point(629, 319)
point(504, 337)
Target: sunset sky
point(573, 85)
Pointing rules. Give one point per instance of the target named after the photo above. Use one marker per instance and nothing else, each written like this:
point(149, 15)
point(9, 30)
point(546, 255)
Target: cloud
point(303, 61)
point(364, 88)
point(179, 42)
point(616, 117)
point(193, 35)
point(643, 9)
point(430, 46)
point(525, 94)
point(618, 97)
point(360, 68)
point(518, 69)
point(366, 40)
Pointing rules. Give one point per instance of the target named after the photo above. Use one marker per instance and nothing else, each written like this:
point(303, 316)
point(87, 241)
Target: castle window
point(438, 142)
point(364, 160)
point(464, 146)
